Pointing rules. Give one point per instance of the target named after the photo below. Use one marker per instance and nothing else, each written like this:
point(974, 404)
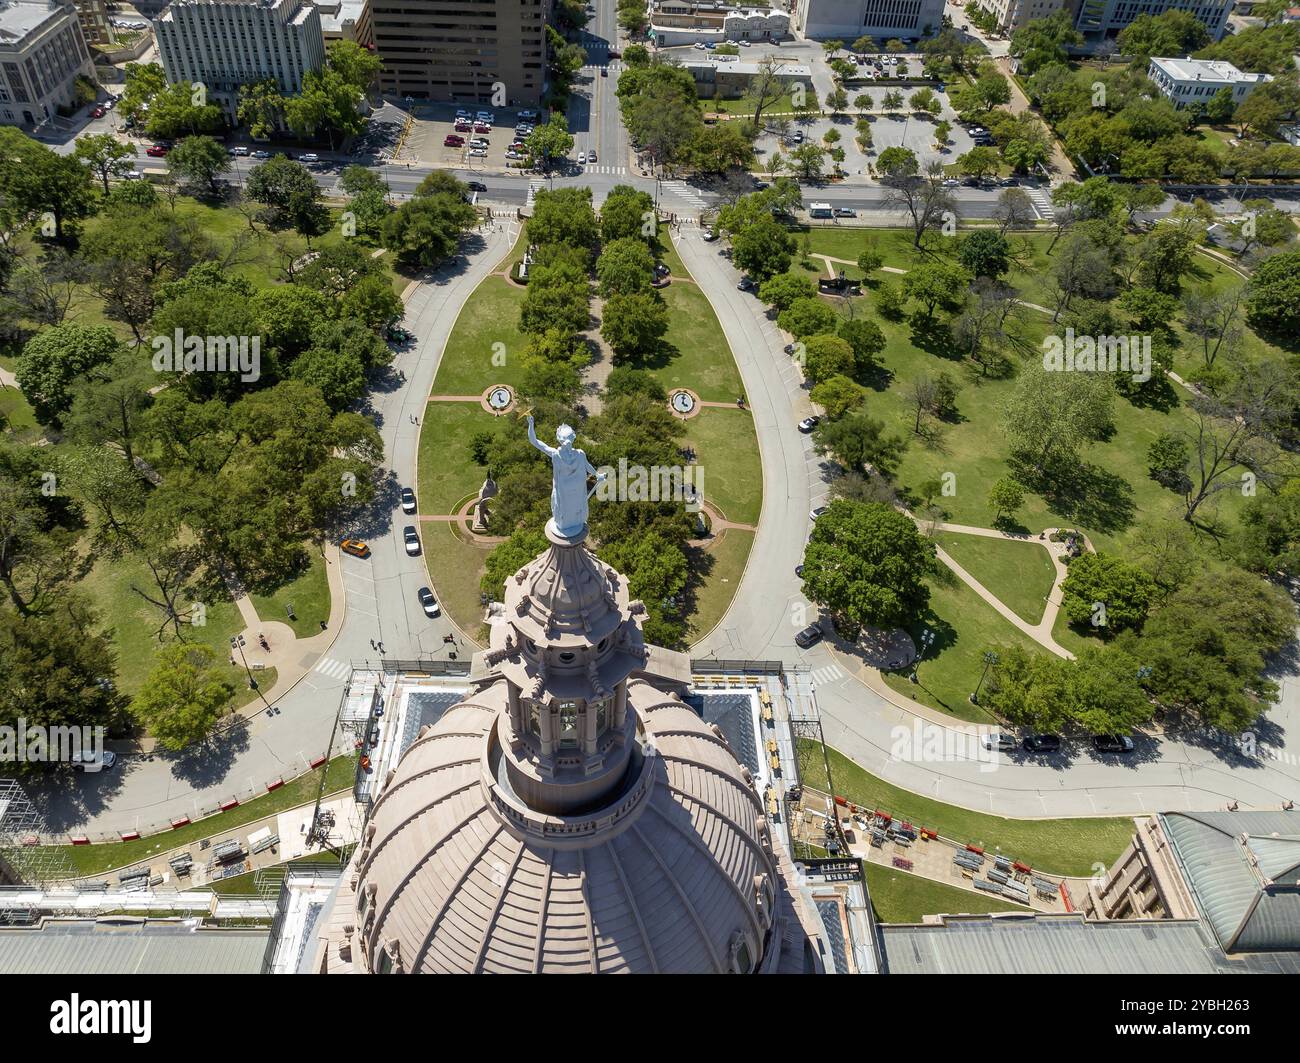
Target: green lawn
point(965, 626)
point(898, 897)
point(447, 472)
point(98, 859)
point(717, 586)
point(726, 450)
point(490, 316)
point(455, 568)
point(1057, 846)
point(16, 414)
point(1018, 572)
point(309, 594)
point(695, 352)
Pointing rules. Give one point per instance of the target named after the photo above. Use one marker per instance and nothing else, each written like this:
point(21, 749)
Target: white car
point(478, 142)
point(93, 762)
point(951, 182)
point(310, 156)
point(699, 45)
point(239, 149)
point(132, 175)
point(412, 540)
point(478, 153)
point(260, 154)
point(817, 513)
point(582, 158)
point(428, 602)
point(743, 44)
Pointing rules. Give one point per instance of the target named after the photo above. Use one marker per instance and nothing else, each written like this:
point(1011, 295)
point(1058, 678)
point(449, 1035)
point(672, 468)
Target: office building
point(42, 51)
point(1188, 82)
point(847, 20)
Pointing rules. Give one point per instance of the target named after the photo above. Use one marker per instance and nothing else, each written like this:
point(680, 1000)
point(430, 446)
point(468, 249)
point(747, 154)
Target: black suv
point(1042, 743)
point(1112, 743)
point(809, 636)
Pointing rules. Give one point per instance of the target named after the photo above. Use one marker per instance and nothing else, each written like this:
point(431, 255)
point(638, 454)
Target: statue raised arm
point(569, 471)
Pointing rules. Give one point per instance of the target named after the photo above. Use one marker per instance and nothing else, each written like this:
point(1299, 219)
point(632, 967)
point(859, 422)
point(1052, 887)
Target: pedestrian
point(372, 644)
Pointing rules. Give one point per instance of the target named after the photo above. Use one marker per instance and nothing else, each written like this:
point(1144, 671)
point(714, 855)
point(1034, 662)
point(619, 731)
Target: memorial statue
point(569, 471)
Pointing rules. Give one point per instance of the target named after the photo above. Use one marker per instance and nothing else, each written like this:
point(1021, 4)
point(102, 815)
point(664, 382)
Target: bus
point(820, 210)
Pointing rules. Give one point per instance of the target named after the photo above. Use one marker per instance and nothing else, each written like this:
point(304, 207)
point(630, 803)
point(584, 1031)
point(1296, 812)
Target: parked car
point(476, 186)
point(1112, 743)
point(98, 112)
point(815, 513)
point(428, 602)
point(710, 235)
point(807, 425)
point(81, 760)
point(261, 154)
point(699, 45)
point(809, 636)
point(797, 136)
point(355, 547)
point(240, 150)
point(591, 156)
point(411, 539)
point(482, 127)
point(845, 212)
point(999, 740)
point(132, 175)
point(453, 141)
point(408, 500)
point(1042, 743)
point(479, 142)
point(309, 156)
point(746, 284)
point(527, 114)
point(478, 153)
point(1009, 182)
point(604, 71)
point(156, 151)
point(582, 158)
point(951, 182)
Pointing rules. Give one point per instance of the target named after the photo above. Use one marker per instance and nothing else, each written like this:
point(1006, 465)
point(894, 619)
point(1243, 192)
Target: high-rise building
point(95, 23)
point(850, 19)
point(1011, 15)
point(42, 51)
point(490, 51)
point(226, 44)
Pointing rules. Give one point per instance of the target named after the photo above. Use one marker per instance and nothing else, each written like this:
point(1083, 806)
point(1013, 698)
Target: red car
point(453, 141)
point(98, 112)
point(482, 127)
point(463, 127)
point(157, 151)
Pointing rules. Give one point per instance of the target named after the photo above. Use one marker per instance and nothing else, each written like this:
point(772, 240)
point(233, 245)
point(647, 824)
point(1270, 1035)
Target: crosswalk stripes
point(333, 668)
point(615, 170)
point(533, 188)
point(1042, 203)
point(684, 191)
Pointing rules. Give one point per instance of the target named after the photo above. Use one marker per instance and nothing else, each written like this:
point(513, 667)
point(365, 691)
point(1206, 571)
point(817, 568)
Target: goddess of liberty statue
point(569, 471)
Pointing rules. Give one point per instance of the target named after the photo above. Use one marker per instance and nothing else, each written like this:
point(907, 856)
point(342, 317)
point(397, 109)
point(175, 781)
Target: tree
point(199, 161)
point(103, 155)
point(109, 407)
point(287, 188)
point(1051, 416)
point(1106, 593)
point(426, 231)
point(936, 285)
point(56, 670)
point(1167, 460)
point(183, 696)
point(564, 216)
point(1014, 210)
point(827, 356)
point(808, 159)
point(897, 164)
point(550, 141)
point(1168, 33)
point(181, 109)
point(871, 259)
point(867, 341)
point(625, 213)
point(1205, 649)
point(991, 89)
point(633, 325)
point(978, 162)
point(807, 316)
point(625, 265)
point(783, 289)
point(763, 249)
point(1005, 496)
point(857, 441)
point(1273, 299)
point(837, 395)
point(765, 86)
point(261, 107)
point(55, 359)
point(657, 573)
point(985, 253)
point(867, 565)
point(928, 204)
point(35, 181)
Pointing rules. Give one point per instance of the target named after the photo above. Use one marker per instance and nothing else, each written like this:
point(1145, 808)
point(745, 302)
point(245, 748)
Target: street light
point(927, 640)
point(989, 658)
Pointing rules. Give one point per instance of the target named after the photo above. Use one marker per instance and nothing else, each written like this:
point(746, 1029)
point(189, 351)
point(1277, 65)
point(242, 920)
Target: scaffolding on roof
point(24, 860)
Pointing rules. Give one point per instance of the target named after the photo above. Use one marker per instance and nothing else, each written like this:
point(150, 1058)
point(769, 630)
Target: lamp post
point(927, 640)
point(989, 658)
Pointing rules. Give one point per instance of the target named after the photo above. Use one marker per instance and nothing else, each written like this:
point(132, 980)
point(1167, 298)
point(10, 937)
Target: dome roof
point(674, 873)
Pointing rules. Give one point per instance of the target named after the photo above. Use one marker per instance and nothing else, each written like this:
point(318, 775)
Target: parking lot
point(421, 138)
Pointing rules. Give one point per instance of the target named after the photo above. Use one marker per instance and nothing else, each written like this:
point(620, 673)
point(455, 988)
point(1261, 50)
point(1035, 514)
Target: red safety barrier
point(884, 815)
point(275, 784)
point(226, 806)
point(1065, 896)
point(926, 832)
point(183, 821)
point(79, 840)
point(317, 762)
point(975, 849)
point(1023, 868)
point(840, 801)
point(131, 836)
point(906, 825)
